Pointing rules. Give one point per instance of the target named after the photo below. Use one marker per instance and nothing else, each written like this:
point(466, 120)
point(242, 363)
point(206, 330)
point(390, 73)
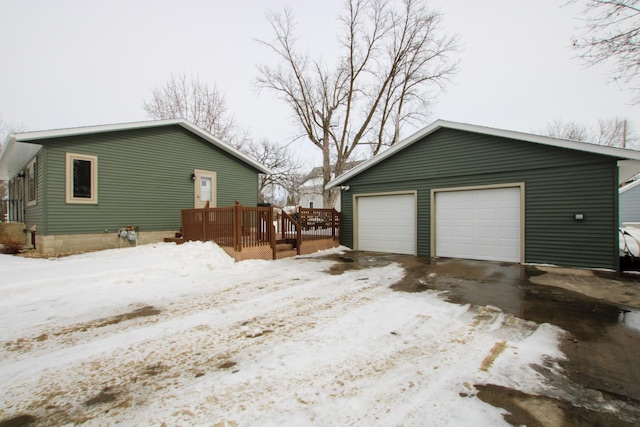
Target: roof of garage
point(629, 160)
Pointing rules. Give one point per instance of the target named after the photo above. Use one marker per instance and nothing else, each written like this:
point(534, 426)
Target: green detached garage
point(466, 191)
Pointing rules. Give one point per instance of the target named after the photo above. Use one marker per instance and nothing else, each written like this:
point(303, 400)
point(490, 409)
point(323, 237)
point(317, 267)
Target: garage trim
point(356, 239)
point(432, 214)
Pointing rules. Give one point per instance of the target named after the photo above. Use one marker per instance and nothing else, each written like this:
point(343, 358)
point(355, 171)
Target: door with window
point(204, 189)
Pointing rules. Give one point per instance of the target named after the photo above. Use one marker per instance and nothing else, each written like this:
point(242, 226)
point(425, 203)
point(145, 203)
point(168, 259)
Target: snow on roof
point(629, 165)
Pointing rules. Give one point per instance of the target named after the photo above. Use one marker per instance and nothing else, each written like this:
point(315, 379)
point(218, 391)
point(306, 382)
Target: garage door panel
point(479, 224)
point(387, 223)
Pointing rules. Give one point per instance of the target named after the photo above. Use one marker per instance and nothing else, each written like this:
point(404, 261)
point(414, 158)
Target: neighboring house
point(312, 187)
point(465, 191)
point(630, 202)
point(79, 189)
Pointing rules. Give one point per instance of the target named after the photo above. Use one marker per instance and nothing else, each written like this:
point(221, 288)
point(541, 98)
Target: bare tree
point(391, 60)
point(281, 161)
point(5, 130)
point(206, 108)
point(198, 103)
point(566, 130)
point(612, 33)
point(615, 132)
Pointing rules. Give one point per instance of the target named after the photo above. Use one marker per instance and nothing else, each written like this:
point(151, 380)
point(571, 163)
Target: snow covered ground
point(182, 335)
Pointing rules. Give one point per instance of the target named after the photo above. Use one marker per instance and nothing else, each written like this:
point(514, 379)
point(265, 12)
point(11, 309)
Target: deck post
point(204, 225)
point(299, 231)
point(272, 230)
point(237, 226)
point(333, 224)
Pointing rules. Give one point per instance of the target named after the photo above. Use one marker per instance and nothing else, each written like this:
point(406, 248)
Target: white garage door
point(479, 224)
point(387, 223)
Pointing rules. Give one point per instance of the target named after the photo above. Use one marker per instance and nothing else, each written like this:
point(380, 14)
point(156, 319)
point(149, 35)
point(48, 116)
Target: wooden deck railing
point(255, 227)
point(318, 224)
point(289, 229)
point(237, 226)
point(246, 227)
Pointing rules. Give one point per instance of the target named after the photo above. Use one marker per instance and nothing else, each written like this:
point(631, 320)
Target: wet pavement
point(599, 310)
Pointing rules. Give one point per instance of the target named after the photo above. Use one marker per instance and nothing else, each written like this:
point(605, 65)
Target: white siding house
point(629, 205)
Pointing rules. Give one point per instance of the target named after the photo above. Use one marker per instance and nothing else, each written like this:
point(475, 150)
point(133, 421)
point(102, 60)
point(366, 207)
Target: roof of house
point(629, 186)
point(20, 148)
point(629, 160)
point(314, 178)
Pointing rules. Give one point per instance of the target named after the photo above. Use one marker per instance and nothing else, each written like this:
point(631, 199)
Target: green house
point(111, 186)
point(465, 191)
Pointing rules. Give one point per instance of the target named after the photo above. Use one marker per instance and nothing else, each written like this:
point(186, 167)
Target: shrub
point(10, 245)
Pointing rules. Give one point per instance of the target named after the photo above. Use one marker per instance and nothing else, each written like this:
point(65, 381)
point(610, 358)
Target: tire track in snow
point(331, 380)
point(44, 337)
point(415, 368)
point(199, 341)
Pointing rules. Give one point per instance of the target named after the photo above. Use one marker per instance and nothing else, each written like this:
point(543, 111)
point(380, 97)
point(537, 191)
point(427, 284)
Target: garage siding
point(558, 184)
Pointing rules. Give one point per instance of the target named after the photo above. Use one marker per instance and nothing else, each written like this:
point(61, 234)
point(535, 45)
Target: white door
point(387, 223)
point(479, 224)
point(204, 189)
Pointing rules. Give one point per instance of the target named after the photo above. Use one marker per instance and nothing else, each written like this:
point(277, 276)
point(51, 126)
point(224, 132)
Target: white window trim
point(69, 179)
point(199, 173)
point(31, 164)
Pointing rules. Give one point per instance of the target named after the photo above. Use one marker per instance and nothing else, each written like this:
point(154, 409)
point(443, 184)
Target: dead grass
point(11, 245)
point(493, 354)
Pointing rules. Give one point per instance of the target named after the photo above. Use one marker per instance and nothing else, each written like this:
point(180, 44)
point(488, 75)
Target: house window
point(31, 179)
point(82, 178)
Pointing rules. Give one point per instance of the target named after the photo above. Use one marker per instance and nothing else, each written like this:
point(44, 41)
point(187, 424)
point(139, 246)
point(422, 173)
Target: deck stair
point(285, 248)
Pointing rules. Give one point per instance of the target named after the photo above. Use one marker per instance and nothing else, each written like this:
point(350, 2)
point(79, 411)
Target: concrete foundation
point(15, 231)
point(80, 243)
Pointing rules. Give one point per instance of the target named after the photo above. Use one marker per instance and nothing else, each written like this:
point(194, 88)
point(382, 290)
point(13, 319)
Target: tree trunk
point(327, 201)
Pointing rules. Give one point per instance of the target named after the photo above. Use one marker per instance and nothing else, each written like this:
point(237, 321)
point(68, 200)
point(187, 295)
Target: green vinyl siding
point(558, 184)
point(144, 179)
point(34, 214)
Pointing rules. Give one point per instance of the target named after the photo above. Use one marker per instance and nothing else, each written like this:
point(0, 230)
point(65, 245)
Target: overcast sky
point(76, 63)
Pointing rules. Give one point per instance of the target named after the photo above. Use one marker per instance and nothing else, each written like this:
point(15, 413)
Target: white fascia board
point(620, 153)
point(14, 157)
point(629, 186)
point(57, 133)
point(225, 147)
point(84, 130)
point(627, 169)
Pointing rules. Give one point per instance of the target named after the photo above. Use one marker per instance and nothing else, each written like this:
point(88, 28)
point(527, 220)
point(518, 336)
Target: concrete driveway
point(599, 310)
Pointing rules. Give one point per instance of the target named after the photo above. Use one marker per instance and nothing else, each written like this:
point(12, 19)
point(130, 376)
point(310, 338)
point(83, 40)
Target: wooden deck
point(261, 233)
